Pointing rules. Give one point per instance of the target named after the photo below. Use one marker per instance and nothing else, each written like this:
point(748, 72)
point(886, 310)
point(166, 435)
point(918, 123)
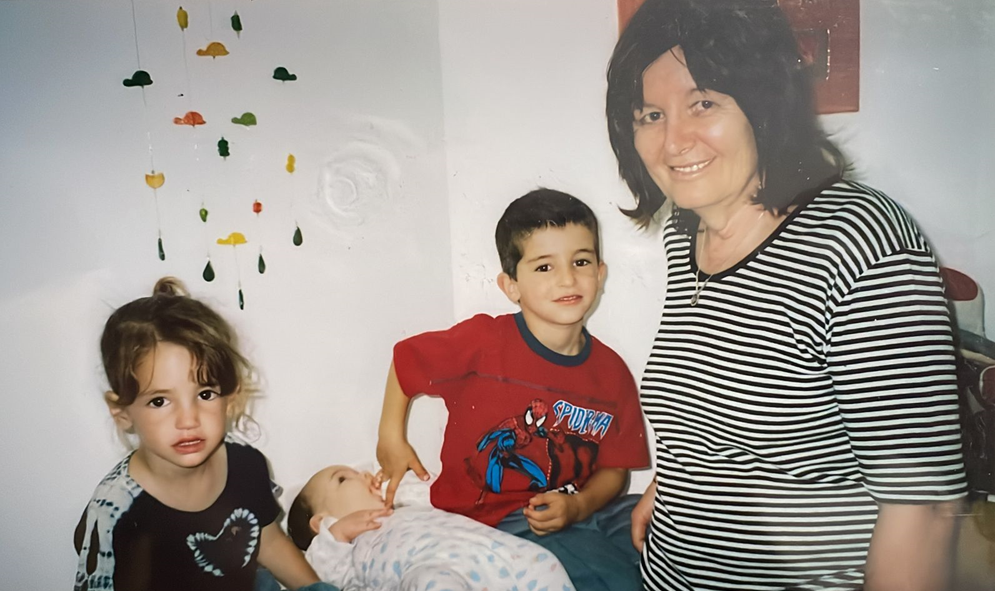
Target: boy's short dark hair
point(299, 521)
point(541, 208)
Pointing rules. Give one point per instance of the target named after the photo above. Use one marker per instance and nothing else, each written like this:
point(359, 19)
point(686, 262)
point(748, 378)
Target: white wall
point(78, 226)
point(467, 103)
point(924, 132)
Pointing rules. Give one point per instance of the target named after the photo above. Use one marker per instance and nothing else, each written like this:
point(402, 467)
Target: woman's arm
point(912, 547)
point(642, 513)
point(278, 554)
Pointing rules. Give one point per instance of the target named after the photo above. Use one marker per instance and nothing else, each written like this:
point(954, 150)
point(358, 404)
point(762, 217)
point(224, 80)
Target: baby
point(354, 542)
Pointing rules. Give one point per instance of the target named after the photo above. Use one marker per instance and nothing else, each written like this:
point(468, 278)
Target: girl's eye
point(207, 395)
point(157, 402)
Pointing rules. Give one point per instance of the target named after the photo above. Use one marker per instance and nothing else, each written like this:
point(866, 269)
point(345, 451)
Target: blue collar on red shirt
point(549, 354)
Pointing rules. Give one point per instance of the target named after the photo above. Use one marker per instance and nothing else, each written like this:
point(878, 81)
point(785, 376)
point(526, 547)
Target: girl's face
point(179, 422)
point(697, 145)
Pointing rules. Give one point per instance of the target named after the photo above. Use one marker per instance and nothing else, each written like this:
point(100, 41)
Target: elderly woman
point(801, 386)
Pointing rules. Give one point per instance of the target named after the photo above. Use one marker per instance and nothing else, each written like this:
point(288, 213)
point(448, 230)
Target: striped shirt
point(812, 380)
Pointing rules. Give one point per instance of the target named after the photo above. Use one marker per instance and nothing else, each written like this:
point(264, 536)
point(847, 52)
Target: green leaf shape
point(298, 237)
point(208, 272)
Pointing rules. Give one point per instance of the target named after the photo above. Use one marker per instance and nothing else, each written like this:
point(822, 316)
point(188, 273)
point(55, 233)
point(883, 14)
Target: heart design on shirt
point(232, 547)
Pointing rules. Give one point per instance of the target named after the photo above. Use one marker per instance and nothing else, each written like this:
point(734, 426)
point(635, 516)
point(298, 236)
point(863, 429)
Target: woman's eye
point(157, 402)
point(704, 105)
point(650, 117)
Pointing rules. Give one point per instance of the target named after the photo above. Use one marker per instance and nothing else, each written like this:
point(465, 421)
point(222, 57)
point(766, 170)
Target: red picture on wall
point(828, 34)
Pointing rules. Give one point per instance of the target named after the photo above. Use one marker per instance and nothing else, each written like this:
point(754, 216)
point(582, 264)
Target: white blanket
point(422, 548)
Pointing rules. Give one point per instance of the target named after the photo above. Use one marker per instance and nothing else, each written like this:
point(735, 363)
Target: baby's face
point(340, 490)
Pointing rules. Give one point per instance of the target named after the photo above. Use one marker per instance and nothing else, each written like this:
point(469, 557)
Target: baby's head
point(335, 492)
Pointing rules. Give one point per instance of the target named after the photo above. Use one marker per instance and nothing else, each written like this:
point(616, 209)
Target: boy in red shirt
point(544, 420)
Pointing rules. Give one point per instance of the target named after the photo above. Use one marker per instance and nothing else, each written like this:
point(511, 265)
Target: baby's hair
point(541, 208)
point(299, 521)
point(170, 315)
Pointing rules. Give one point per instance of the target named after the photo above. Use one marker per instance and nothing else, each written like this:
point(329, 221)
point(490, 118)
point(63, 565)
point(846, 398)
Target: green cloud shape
point(139, 78)
point(284, 75)
point(247, 119)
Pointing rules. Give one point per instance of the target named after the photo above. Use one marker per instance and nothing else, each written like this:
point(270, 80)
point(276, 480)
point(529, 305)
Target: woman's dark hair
point(170, 315)
point(742, 48)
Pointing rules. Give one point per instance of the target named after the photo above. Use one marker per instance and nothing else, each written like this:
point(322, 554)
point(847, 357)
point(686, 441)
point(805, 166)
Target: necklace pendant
point(694, 298)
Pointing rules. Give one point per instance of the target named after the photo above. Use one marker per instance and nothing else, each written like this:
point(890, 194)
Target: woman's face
point(697, 145)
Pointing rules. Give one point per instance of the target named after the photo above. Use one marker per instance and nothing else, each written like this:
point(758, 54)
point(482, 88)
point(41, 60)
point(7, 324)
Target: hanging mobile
point(234, 239)
point(257, 208)
point(236, 24)
point(156, 180)
point(291, 167)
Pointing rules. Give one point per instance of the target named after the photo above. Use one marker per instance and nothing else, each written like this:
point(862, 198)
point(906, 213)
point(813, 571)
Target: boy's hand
point(397, 457)
point(552, 511)
point(357, 522)
point(641, 515)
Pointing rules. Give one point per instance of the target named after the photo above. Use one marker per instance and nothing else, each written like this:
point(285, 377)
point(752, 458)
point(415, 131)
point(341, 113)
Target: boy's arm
point(284, 559)
point(395, 454)
point(562, 510)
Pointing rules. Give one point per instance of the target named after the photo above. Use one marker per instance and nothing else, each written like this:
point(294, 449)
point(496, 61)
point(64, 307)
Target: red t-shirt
point(523, 419)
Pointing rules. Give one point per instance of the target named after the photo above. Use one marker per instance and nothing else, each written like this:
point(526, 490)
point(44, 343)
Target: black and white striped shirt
point(813, 379)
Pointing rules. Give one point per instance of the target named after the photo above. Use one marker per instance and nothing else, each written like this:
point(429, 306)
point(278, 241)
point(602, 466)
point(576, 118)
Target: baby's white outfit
point(426, 549)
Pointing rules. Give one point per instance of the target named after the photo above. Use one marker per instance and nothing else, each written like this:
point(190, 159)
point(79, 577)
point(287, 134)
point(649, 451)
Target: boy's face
point(559, 277)
point(339, 490)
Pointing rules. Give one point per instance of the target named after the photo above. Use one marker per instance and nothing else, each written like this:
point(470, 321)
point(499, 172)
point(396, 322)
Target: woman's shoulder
point(859, 213)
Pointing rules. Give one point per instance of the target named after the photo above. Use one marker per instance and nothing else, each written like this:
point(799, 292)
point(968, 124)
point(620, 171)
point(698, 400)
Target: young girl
point(190, 508)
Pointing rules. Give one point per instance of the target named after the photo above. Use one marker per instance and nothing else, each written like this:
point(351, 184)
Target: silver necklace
point(699, 287)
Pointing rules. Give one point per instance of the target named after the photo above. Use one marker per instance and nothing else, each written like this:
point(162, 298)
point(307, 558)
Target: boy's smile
point(559, 277)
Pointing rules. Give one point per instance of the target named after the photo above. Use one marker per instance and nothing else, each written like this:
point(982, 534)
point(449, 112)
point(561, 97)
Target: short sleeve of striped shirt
point(890, 356)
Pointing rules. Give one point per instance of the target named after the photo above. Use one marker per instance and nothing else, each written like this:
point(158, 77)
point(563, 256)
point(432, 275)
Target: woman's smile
point(696, 144)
